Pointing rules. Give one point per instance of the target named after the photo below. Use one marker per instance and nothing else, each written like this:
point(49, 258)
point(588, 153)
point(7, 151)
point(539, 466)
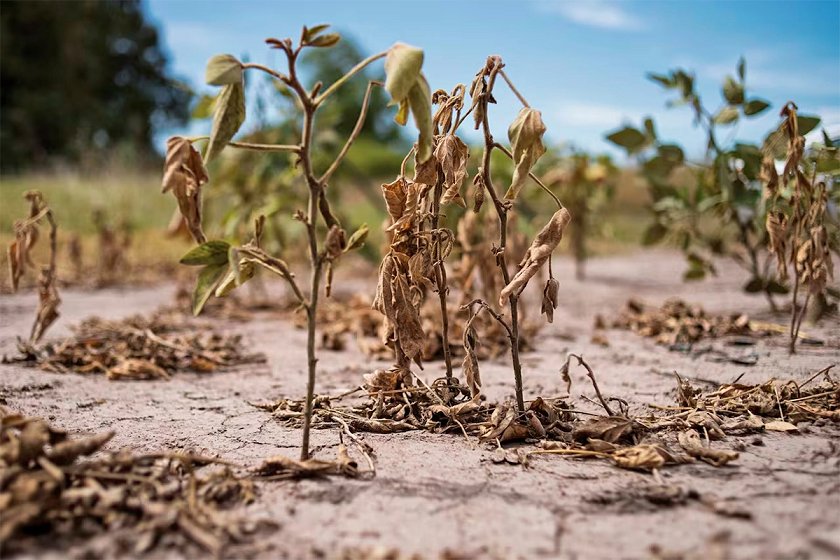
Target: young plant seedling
point(226, 267)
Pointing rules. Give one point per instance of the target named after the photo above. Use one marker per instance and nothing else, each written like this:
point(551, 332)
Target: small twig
point(513, 88)
point(352, 72)
point(591, 376)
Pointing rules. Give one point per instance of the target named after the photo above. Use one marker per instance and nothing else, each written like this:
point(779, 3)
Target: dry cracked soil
point(439, 494)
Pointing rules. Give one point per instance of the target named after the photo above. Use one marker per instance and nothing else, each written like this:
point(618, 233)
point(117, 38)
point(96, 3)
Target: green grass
point(131, 198)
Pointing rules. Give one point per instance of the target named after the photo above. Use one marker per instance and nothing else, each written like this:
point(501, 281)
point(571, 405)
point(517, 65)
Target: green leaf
point(665, 81)
point(420, 103)
point(694, 273)
point(357, 240)
point(754, 286)
point(742, 68)
point(327, 40)
point(402, 70)
point(208, 253)
point(654, 234)
point(223, 70)
point(229, 116)
point(204, 107)
point(310, 33)
point(807, 123)
point(650, 129)
point(733, 91)
point(208, 280)
point(774, 287)
point(236, 276)
point(629, 138)
point(671, 152)
point(727, 115)
point(755, 106)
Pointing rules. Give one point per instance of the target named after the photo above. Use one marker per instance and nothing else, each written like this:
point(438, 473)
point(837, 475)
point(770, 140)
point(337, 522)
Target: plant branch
point(591, 375)
point(531, 175)
point(342, 80)
point(360, 123)
point(513, 89)
point(274, 73)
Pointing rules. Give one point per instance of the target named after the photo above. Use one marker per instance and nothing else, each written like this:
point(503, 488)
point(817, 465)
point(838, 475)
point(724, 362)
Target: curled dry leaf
point(537, 254)
point(184, 174)
point(48, 302)
point(611, 429)
point(549, 301)
point(691, 443)
point(525, 135)
point(452, 155)
point(281, 466)
point(402, 200)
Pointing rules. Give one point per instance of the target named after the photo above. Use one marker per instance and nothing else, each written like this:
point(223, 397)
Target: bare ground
point(436, 493)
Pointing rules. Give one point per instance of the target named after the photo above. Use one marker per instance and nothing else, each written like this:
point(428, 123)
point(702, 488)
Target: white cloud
point(603, 14)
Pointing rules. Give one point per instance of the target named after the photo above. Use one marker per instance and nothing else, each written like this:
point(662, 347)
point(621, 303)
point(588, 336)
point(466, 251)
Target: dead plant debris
point(50, 488)
point(677, 322)
point(139, 347)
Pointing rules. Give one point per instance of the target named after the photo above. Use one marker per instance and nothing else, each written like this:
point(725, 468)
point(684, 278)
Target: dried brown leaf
point(184, 174)
point(537, 254)
point(452, 155)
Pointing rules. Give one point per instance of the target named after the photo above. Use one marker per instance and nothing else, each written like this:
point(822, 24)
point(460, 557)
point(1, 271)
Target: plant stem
point(440, 279)
point(501, 261)
point(353, 71)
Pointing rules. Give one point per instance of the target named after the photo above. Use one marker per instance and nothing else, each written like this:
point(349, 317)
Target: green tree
point(81, 76)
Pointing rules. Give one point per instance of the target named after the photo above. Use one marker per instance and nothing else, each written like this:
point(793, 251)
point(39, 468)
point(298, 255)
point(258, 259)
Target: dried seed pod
point(335, 243)
point(478, 194)
point(537, 254)
point(184, 174)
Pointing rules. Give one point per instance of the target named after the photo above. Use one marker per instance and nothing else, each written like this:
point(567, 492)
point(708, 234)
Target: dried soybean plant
point(225, 267)
point(419, 245)
point(27, 234)
point(796, 219)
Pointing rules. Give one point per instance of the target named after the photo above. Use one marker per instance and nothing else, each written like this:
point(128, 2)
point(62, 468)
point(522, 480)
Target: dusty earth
point(439, 493)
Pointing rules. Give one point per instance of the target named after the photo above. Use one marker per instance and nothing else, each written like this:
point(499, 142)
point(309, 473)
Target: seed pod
point(549, 301)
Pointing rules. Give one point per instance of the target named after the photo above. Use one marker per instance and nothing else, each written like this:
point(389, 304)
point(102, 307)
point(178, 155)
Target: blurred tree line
point(82, 77)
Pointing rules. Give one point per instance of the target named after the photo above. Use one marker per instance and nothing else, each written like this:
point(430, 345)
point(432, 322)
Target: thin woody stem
point(513, 89)
point(440, 278)
point(531, 175)
point(486, 307)
point(360, 123)
point(501, 261)
point(274, 73)
point(352, 72)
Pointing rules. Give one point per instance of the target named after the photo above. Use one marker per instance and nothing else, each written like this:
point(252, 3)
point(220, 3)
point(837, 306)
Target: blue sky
point(582, 63)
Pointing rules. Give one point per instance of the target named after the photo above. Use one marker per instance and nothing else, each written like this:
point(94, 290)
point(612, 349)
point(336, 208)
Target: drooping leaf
point(665, 81)
point(237, 275)
point(184, 174)
point(420, 103)
point(223, 70)
point(229, 116)
point(525, 135)
point(402, 70)
point(742, 68)
point(537, 254)
point(210, 252)
point(208, 280)
point(806, 123)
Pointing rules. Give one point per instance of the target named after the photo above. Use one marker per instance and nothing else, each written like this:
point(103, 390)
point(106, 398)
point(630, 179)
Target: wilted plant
point(226, 267)
point(20, 258)
point(693, 200)
point(797, 219)
point(586, 183)
point(419, 245)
